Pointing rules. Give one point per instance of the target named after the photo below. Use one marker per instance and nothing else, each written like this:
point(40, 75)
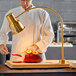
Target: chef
point(38, 31)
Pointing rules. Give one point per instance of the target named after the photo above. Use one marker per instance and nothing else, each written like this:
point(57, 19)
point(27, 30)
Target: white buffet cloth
point(42, 31)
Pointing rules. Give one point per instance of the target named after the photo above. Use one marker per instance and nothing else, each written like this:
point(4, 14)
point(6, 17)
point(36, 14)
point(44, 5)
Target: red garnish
point(17, 61)
point(17, 55)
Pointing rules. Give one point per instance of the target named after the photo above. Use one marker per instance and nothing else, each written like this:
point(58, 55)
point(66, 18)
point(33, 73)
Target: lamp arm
point(62, 60)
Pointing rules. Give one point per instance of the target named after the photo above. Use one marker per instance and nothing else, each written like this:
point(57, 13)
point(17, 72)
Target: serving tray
point(44, 64)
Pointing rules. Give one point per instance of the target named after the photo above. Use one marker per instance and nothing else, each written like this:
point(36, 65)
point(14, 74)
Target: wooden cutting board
point(44, 64)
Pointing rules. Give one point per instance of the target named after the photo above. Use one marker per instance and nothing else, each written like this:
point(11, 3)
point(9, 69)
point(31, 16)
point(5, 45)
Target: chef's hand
point(34, 47)
point(3, 49)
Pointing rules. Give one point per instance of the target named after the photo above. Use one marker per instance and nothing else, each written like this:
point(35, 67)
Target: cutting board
point(44, 64)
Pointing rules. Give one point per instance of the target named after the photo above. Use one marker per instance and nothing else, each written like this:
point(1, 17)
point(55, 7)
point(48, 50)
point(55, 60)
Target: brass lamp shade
point(15, 24)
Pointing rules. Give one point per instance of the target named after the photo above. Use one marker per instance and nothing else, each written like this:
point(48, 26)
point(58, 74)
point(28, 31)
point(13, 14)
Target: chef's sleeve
point(46, 33)
point(4, 31)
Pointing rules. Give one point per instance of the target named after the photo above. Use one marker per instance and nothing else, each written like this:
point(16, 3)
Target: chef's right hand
point(3, 49)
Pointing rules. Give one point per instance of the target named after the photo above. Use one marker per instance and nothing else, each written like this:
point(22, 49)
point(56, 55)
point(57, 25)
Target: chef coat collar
point(24, 9)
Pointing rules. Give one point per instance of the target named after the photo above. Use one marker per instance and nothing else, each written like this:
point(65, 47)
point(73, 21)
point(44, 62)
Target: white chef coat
point(38, 29)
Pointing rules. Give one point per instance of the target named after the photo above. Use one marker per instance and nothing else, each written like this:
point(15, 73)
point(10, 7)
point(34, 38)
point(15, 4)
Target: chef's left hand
point(34, 47)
